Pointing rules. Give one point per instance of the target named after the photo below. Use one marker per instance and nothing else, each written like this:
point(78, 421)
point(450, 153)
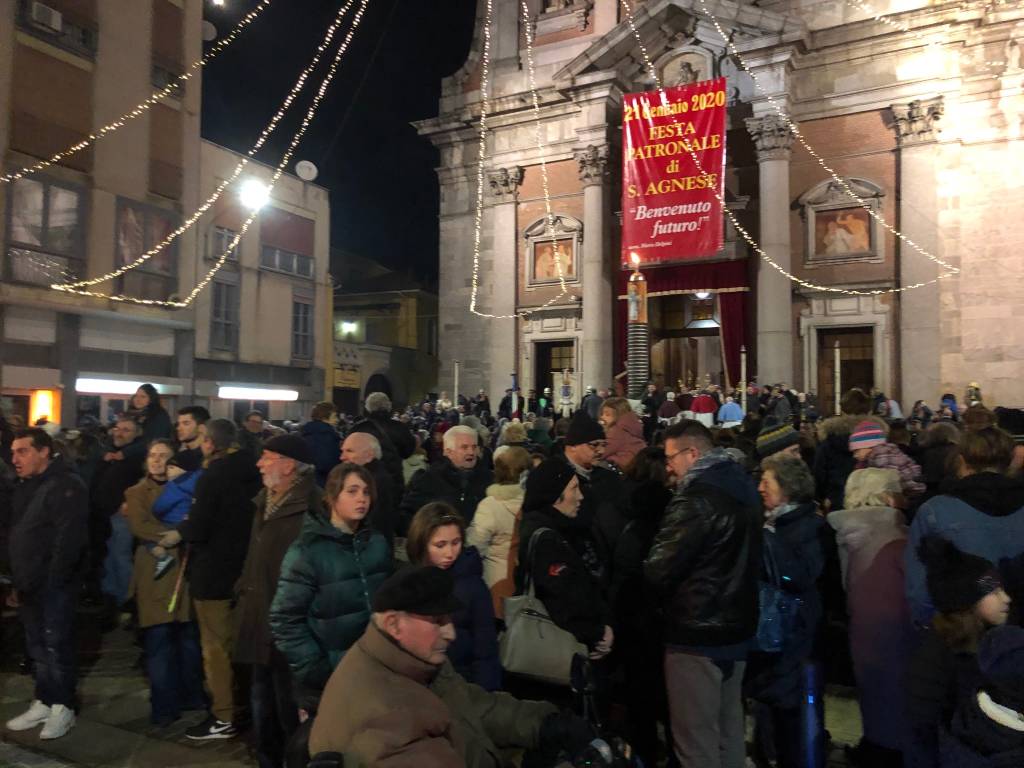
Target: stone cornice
point(915, 123)
point(772, 137)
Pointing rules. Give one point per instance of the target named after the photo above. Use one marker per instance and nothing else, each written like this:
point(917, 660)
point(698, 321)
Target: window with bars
point(224, 317)
point(281, 260)
point(45, 232)
point(302, 329)
point(562, 357)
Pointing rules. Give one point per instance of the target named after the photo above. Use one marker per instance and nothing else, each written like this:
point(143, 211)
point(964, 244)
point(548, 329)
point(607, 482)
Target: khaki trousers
point(217, 638)
point(706, 710)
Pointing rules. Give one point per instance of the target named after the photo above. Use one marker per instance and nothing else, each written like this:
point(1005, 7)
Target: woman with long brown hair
point(436, 537)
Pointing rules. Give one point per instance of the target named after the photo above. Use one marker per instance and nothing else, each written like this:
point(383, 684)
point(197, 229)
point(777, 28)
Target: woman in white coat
point(494, 531)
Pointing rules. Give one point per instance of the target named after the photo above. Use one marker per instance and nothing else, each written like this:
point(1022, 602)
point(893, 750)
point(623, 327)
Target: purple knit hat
point(867, 435)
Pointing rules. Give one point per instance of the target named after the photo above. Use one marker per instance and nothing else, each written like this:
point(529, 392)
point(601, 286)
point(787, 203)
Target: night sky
point(384, 196)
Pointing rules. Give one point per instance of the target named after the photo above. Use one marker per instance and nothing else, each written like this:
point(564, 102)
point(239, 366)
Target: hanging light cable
point(279, 171)
point(141, 108)
point(296, 90)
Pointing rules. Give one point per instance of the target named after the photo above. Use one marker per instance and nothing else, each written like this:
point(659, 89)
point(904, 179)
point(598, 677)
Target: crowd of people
point(356, 585)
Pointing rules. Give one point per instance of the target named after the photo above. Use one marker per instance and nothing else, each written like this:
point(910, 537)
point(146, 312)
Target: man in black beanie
point(603, 489)
point(395, 699)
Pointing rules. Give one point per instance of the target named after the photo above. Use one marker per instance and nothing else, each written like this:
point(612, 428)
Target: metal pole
point(743, 376)
point(838, 386)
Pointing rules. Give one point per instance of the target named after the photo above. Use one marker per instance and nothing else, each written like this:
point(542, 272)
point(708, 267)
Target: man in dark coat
point(396, 441)
point(217, 531)
point(458, 478)
point(121, 468)
point(705, 564)
point(363, 449)
point(480, 405)
point(190, 433)
point(321, 435)
point(49, 534)
point(289, 492)
point(603, 490)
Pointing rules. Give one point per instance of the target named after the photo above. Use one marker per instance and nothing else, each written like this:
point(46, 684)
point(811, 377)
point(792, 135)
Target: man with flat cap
point(395, 701)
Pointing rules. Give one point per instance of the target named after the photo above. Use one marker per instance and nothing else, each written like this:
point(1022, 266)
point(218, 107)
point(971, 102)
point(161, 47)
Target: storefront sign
point(670, 210)
point(346, 378)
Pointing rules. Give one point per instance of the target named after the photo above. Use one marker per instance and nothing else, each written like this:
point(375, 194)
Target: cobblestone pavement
point(113, 728)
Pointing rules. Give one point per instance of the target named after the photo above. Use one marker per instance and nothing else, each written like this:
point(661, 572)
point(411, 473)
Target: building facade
point(919, 113)
point(68, 67)
point(385, 335)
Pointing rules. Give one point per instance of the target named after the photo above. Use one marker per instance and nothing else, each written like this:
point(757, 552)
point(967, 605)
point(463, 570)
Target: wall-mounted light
point(254, 194)
point(702, 295)
point(256, 393)
point(349, 327)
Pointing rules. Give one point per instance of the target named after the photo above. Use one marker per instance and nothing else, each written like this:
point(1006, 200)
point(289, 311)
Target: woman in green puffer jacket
point(328, 579)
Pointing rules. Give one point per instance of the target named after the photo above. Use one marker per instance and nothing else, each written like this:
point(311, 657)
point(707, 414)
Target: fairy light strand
point(141, 108)
point(268, 130)
point(732, 218)
point(279, 171)
point(482, 155)
point(794, 128)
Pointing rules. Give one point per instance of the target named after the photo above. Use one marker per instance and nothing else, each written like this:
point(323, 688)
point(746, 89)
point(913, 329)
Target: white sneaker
point(36, 714)
point(60, 721)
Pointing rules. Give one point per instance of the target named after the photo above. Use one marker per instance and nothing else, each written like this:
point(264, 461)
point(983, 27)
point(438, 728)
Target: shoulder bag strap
point(528, 581)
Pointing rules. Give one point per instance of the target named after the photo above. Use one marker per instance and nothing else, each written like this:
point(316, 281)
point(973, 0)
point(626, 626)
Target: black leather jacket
point(706, 559)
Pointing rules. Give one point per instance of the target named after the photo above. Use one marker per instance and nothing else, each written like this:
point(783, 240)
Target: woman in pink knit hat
point(870, 448)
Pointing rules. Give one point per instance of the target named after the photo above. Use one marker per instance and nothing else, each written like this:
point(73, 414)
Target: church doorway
point(686, 347)
point(550, 358)
point(856, 362)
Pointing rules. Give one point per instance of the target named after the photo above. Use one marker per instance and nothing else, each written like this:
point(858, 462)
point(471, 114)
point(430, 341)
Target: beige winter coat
point(491, 532)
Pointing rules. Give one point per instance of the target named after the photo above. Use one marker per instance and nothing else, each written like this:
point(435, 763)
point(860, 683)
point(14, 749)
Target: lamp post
point(638, 332)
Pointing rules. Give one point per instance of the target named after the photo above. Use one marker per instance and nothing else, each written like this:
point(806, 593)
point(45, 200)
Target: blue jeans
point(48, 617)
point(275, 715)
point(174, 665)
point(117, 565)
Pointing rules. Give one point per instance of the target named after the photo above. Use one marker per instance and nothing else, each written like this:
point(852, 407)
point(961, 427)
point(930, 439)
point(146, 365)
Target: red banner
point(669, 209)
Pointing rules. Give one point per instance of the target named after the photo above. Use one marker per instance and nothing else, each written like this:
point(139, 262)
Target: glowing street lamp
point(254, 194)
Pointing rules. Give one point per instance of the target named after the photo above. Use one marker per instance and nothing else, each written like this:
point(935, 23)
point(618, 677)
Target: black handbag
point(779, 609)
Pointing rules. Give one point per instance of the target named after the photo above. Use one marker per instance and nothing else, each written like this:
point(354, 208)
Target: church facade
point(918, 112)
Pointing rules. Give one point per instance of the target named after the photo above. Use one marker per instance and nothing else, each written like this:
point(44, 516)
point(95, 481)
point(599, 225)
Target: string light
point(732, 218)
point(481, 156)
point(296, 90)
point(278, 172)
point(141, 108)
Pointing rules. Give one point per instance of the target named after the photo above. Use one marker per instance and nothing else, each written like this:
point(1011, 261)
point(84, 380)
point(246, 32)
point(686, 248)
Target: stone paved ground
point(114, 729)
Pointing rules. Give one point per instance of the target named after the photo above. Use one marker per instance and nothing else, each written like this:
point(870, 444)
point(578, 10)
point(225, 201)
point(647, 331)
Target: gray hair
point(792, 475)
point(872, 487)
point(378, 401)
point(222, 433)
point(374, 445)
point(454, 432)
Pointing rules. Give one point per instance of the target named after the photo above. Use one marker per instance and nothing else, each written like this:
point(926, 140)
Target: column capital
point(916, 122)
point(504, 184)
point(593, 164)
point(772, 137)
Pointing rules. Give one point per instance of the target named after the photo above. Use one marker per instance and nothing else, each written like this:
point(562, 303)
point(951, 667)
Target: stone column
point(502, 279)
point(598, 297)
point(773, 139)
point(920, 348)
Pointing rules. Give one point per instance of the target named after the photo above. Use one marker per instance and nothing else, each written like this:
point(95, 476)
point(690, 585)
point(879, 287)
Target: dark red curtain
point(732, 310)
point(708, 276)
